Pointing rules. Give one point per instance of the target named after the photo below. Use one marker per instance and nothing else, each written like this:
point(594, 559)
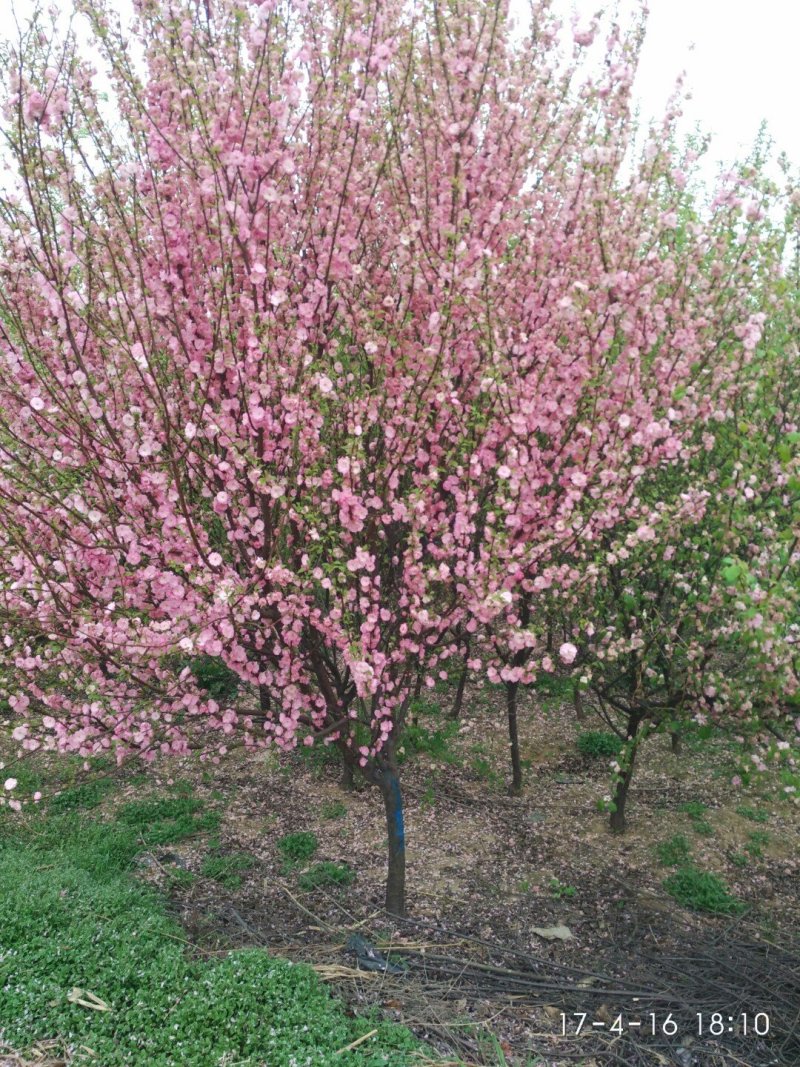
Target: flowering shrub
point(693, 615)
point(323, 347)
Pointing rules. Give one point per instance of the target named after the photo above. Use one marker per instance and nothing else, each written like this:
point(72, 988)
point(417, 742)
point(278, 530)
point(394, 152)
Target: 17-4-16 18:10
point(709, 1024)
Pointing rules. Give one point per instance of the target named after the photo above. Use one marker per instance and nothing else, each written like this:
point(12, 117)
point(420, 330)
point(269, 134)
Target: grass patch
point(317, 757)
point(753, 814)
point(181, 878)
point(70, 916)
point(701, 891)
point(598, 744)
point(326, 875)
point(82, 797)
point(333, 809)
point(697, 813)
point(482, 768)
point(297, 848)
point(755, 843)
point(434, 743)
point(166, 820)
point(674, 852)
point(561, 891)
point(227, 870)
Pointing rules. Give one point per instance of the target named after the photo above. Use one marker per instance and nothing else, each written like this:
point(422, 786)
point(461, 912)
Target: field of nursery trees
point(399, 549)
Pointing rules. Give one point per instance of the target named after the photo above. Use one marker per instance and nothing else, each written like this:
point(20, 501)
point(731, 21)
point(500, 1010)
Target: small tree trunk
point(415, 698)
point(617, 820)
point(580, 713)
point(389, 783)
point(347, 781)
point(455, 711)
point(675, 741)
point(263, 698)
point(513, 738)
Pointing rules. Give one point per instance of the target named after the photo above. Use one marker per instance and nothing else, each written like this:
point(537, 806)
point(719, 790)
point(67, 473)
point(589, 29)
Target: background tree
point(693, 616)
point(668, 322)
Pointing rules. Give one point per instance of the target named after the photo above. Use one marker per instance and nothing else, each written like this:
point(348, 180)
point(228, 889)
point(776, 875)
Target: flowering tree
point(662, 327)
point(693, 612)
point(326, 296)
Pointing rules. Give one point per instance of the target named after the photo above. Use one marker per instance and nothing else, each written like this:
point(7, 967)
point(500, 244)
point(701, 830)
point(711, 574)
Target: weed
point(434, 743)
point(674, 852)
point(333, 809)
point(181, 786)
point(701, 891)
point(696, 812)
point(215, 677)
point(755, 842)
point(561, 891)
point(165, 820)
point(738, 859)
point(182, 878)
point(298, 847)
point(84, 796)
point(703, 827)
point(227, 869)
point(326, 874)
point(482, 767)
point(318, 757)
point(753, 814)
point(597, 744)
point(429, 795)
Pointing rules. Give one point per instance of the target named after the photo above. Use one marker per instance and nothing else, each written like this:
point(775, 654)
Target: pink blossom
point(568, 652)
point(363, 676)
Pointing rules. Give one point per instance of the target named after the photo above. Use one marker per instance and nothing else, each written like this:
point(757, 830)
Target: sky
point(742, 64)
point(740, 56)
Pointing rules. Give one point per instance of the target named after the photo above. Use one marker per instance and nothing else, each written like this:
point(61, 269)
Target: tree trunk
point(580, 713)
point(347, 781)
point(617, 820)
point(513, 738)
point(263, 698)
point(389, 783)
point(675, 740)
point(415, 698)
point(455, 711)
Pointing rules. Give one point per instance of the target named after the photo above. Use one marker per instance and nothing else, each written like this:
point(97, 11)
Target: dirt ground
point(486, 871)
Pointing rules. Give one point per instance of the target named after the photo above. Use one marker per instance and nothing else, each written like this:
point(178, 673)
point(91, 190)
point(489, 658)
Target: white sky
point(744, 66)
